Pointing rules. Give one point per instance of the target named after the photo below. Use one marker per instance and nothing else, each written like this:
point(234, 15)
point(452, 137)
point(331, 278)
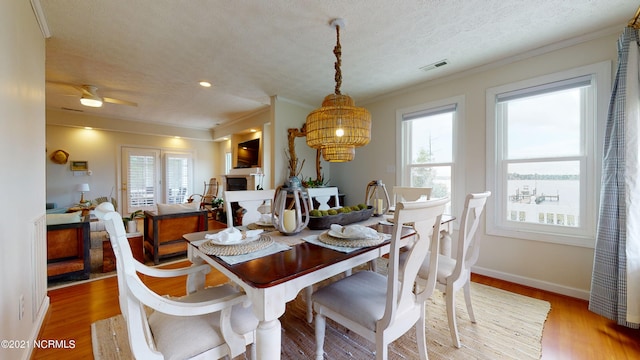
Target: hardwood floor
point(571, 331)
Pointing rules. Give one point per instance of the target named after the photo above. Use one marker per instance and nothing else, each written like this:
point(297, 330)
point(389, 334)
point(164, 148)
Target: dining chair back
point(206, 323)
point(382, 308)
point(323, 196)
point(250, 201)
point(454, 273)
point(407, 193)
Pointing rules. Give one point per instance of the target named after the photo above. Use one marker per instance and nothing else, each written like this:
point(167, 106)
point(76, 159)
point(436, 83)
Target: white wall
point(101, 148)
point(22, 146)
point(560, 268)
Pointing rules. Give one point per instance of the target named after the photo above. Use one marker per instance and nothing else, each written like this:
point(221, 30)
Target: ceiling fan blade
point(119, 102)
point(58, 84)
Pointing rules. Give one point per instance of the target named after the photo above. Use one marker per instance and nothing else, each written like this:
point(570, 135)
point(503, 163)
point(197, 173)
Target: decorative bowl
point(324, 222)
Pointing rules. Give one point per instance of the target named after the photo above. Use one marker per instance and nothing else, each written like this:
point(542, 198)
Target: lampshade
point(338, 127)
point(82, 187)
point(335, 153)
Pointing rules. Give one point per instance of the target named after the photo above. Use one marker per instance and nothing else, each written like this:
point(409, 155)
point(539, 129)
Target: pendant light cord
point(337, 50)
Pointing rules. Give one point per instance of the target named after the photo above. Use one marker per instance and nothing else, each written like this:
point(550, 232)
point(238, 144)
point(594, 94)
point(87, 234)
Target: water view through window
point(538, 194)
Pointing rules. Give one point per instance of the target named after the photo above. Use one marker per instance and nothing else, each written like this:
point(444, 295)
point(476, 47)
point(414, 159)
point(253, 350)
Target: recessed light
point(205, 84)
point(88, 128)
point(253, 130)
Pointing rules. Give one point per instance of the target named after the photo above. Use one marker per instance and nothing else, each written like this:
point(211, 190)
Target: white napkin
point(265, 218)
point(355, 231)
point(231, 236)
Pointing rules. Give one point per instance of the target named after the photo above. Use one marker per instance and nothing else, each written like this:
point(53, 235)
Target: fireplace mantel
point(252, 175)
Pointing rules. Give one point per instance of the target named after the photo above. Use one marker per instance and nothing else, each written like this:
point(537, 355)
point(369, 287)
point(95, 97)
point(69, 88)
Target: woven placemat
point(255, 226)
point(210, 248)
point(336, 241)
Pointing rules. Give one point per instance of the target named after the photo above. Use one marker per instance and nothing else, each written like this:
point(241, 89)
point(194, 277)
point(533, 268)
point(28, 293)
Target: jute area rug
point(509, 326)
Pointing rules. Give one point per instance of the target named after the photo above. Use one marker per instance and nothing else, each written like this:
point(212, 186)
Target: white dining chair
point(454, 273)
point(323, 196)
point(250, 200)
point(209, 323)
point(408, 193)
point(382, 308)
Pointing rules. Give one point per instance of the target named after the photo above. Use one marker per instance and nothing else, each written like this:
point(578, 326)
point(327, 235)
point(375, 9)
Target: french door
point(151, 176)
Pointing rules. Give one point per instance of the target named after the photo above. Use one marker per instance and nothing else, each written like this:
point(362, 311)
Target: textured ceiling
point(154, 52)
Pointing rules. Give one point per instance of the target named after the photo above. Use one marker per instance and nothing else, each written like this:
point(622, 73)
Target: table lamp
point(82, 188)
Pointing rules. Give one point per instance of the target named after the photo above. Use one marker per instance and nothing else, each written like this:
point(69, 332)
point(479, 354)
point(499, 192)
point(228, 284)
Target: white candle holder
point(287, 212)
point(378, 197)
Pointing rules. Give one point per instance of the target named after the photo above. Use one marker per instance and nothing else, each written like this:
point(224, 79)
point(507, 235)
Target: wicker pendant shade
point(336, 153)
point(338, 127)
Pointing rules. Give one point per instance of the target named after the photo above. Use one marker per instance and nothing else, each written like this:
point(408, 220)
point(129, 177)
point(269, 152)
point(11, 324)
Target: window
point(541, 156)
point(150, 181)
point(177, 177)
point(228, 162)
point(427, 146)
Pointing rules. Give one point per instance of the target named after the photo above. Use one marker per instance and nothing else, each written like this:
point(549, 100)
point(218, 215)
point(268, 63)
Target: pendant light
point(338, 127)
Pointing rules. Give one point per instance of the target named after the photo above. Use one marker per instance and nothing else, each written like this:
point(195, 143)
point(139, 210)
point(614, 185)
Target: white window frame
point(166, 155)
point(161, 192)
point(496, 222)
point(457, 161)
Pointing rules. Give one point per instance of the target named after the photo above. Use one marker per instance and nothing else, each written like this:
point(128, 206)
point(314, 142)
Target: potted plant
point(130, 222)
point(217, 207)
point(311, 183)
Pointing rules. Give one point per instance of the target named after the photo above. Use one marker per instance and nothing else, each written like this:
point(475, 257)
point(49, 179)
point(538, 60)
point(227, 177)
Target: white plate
point(239, 241)
point(264, 223)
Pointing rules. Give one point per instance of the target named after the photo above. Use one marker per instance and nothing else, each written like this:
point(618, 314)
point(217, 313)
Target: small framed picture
point(79, 166)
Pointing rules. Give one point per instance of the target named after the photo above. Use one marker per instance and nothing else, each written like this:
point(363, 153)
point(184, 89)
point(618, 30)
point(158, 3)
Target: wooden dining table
point(273, 280)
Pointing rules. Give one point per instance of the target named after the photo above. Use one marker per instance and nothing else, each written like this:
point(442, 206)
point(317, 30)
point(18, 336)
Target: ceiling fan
point(89, 96)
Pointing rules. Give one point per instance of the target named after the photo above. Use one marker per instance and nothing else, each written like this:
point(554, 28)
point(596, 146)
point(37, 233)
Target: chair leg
point(252, 351)
point(308, 292)
point(381, 350)
point(320, 329)
point(451, 315)
point(467, 300)
point(421, 335)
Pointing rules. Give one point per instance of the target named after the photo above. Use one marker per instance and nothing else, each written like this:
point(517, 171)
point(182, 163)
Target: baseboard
point(39, 321)
point(534, 283)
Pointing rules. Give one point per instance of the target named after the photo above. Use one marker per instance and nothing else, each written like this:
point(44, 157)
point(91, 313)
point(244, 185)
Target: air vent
point(435, 65)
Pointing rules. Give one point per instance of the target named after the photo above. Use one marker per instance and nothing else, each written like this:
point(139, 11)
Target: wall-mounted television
point(248, 152)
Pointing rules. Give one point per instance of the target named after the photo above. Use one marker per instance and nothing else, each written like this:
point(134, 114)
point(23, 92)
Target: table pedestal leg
point(268, 340)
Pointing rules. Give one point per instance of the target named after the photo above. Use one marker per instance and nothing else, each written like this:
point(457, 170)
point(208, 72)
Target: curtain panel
point(615, 284)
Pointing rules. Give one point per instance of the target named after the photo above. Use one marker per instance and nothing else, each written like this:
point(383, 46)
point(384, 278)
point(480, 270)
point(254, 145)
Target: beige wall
point(560, 268)
point(22, 162)
point(288, 114)
point(101, 148)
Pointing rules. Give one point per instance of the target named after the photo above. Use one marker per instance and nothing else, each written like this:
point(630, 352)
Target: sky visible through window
point(545, 126)
point(434, 135)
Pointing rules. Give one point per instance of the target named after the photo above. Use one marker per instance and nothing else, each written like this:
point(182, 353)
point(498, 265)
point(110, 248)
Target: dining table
point(273, 276)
